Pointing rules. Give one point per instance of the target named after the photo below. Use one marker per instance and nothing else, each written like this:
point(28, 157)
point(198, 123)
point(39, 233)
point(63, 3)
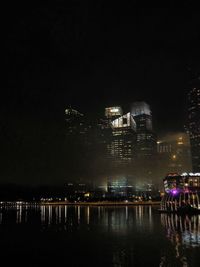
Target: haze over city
point(100, 134)
point(89, 57)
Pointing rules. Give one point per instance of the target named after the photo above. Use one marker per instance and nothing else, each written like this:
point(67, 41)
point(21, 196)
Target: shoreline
point(109, 203)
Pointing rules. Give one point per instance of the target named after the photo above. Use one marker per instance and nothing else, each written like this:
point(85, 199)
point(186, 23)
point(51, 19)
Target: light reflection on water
point(63, 213)
point(184, 233)
point(116, 236)
point(114, 218)
point(183, 230)
point(50, 214)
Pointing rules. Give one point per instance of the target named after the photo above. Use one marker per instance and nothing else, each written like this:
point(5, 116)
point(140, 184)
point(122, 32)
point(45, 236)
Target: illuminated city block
point(194, 123)
point(124, 121)
point(118, 187)
point(182, 193)
point(113, 111)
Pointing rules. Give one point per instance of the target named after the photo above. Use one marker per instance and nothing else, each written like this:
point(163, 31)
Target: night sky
point(88, 55)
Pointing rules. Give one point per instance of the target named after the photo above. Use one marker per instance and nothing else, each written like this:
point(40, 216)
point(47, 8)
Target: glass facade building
point(194, 123)
point(118, 187)
point(173, 153)
point(123, 140)
point(146, 139)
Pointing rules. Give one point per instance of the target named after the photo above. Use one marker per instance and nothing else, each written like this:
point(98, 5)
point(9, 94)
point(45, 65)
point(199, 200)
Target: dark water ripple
point(98, 236)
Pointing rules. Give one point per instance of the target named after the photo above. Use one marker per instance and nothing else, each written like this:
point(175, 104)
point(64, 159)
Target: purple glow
point(174, 191)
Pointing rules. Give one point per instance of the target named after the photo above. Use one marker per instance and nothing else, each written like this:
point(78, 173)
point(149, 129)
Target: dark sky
point(90, 55)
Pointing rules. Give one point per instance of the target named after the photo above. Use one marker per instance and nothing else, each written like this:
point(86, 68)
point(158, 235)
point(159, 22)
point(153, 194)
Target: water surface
point(98, 236)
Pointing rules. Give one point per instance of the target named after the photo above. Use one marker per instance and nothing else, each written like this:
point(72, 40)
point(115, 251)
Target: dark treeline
point(15, 192)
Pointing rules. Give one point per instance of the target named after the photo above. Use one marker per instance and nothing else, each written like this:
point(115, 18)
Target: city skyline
point(89, 57)
point(92, 119)
point(100, 134)
point(129, 145)
point(194, 124)
point(99, 61)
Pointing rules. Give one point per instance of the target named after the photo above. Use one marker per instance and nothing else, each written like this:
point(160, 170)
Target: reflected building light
point(136, 213)
point(126, 208)
point(79, 214)
point(56, 215)
point(49, 214)
point(43, 214)
point(184, 230)
point(150, 214)
point(140, 212)
point(198, 225)
point(26, 214)
point(59, 214)
point(99, 212)
point(88, 215)
point(66, 213)
point(195, 220)
point(19, 213)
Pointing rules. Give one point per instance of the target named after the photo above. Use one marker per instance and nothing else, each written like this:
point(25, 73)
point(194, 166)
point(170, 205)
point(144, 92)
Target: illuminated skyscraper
point(81, 140)
point(120, 145)
point(106, 139)
point(75, 122)
point(113, 112)
point(118, 187)
point(194, 123)
point(173, 153)
point(132, 142)
point(123, 139)
point(146, 140)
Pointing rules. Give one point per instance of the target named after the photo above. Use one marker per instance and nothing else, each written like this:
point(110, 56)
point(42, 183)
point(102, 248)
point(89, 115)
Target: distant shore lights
point(190, 174)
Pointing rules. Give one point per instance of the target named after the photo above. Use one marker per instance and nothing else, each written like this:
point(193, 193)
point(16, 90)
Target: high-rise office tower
point(106, 135)
point(119, 187)
point(80, 142)
point(132, 142)
point(146, 139)
point(113, 112)
point(86, 143)
point(123, 139)
point(75, 122)
point(79, 127)
point(194, 123)
point(173, 153)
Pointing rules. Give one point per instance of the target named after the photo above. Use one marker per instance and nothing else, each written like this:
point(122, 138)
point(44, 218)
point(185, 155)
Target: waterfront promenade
point(103, 203)
point(98, 203)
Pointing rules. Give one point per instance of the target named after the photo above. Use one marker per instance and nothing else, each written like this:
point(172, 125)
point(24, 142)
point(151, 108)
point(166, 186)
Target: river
point(97, 236)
